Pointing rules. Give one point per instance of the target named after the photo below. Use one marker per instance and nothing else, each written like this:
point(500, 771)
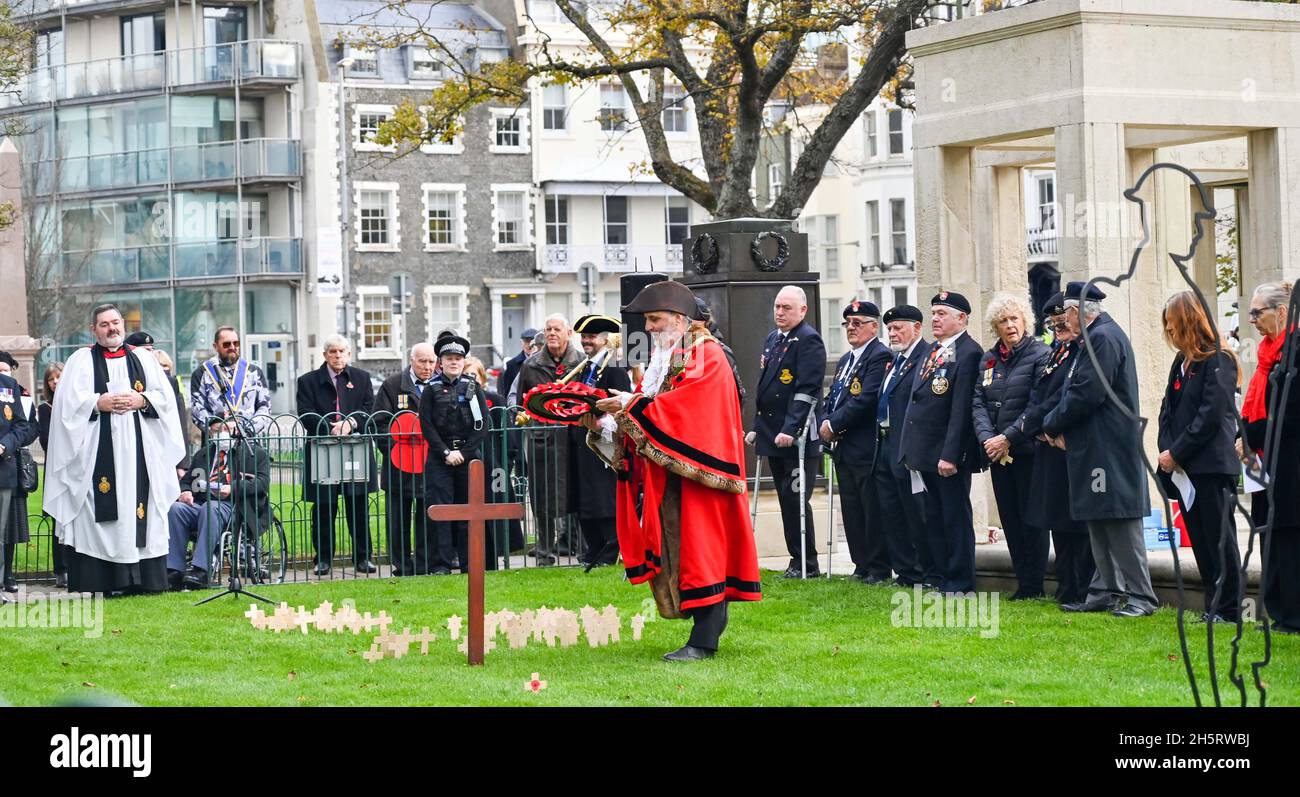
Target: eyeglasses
point(1256, 312)
point(1059, 326)
point(854, 324)
point(230, 344)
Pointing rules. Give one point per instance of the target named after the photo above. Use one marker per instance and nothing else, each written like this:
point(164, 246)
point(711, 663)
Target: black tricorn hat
point(596, 324)
point(666, 296)
point(451, 343)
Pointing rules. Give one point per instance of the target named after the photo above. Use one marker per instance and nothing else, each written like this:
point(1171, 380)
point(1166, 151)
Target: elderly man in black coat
point(789, 393)
point(1103, 447)
point(1007, 378)
point(938, 440)
point(593, 483)
point(850, 430)
point(334, 401)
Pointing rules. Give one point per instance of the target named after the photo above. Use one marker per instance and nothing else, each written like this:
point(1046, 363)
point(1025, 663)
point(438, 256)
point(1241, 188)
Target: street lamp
point(345, 214)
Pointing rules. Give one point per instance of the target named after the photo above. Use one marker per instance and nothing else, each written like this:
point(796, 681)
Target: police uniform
point(405, 505)
point(789, 391)
point(454, 417)
point(938, 426)
point(851, 415)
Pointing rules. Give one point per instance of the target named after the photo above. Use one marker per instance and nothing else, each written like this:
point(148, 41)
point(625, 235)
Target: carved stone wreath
point(704, 254)
point(782, 252)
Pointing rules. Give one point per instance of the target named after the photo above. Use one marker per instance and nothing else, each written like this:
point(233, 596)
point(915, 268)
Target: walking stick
point(753, 496)
point(830, 514)
point(803, 519)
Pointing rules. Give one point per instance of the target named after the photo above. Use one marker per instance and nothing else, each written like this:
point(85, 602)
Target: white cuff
point(625, 398)
point(607, 428)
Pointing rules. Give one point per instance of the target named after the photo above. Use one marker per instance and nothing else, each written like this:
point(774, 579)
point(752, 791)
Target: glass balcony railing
point(245, 62)
point(258, 158)
point(191, 260)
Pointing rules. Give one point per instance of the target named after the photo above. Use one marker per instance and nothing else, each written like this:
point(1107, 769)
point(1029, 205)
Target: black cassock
point(593, 483)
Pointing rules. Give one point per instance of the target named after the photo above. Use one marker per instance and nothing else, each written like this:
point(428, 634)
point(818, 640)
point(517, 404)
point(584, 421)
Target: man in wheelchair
point(230, 483)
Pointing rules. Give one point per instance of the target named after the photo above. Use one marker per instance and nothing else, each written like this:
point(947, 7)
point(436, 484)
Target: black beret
point(903, 312)
point(6, 357)
point(951, 299)
point(140, 338)
point(1055, 305)
point(856, 307)
point(1073, 290)
point(451, 343)
point(595, 324)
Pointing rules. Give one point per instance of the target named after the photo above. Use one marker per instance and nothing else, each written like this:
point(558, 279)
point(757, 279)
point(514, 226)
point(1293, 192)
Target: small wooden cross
point(374, 654)
point(424, 638)
point(302, 618)
point(256, 616)
point(477, 512)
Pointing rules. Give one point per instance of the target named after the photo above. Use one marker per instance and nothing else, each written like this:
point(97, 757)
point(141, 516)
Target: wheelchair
point(263, 559)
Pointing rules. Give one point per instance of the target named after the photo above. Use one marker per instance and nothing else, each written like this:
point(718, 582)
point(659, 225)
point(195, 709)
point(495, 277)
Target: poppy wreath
point(553, 402)
point(704, 254)
point(782, 252)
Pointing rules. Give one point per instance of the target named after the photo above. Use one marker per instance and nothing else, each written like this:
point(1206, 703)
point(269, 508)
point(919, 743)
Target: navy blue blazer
point(789, 390)
point(938, 424)
point(853, 415)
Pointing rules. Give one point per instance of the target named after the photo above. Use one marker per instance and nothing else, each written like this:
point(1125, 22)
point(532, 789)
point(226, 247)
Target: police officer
point(850, 430)
point(454, 419)
point(939, 440)
point(791, 371)
point(897, 502)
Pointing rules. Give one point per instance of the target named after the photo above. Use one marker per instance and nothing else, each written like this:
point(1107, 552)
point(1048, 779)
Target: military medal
point(988, 377)
point(939, 385)
point(139, 511)
point(139, 386)
point(786, 377)
point(103, 485)
point(9, 414)
point(855, 387)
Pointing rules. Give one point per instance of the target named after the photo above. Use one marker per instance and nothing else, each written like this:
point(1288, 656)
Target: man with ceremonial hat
point(454, 419)
point(791, 372)
point(109, 499)
point(902, 509)
point(677, 444)
point(938, 441)
point(1103, 449)
point(850, 431)
point(397, 407)
point(594, 482)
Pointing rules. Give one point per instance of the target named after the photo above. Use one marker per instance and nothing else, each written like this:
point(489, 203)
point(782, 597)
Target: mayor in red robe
point(677, 443)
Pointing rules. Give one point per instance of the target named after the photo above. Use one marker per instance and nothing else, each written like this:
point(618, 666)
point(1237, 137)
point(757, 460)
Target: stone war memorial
point(524, 593)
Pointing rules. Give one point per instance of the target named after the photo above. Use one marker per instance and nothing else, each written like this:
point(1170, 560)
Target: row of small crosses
point(544, 625)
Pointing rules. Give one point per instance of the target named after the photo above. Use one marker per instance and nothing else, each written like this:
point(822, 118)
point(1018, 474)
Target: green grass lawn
point(813, 643)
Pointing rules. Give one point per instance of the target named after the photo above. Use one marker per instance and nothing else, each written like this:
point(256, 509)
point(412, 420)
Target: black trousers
point(949, 531)
point(406, 510)
point(1281, 585)
point(447, 484)
point(901, 518)
point(1074, 565)
point(323, 512)
point(862, 521)
point(785, 472)
point(1214, 540)
point(598, 533)
point(1027, 543)
point(708, 623)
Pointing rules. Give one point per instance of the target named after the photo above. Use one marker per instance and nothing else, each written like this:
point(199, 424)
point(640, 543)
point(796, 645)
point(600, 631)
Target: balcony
point(611, 258)
point(1042, 243)
point(259, 159)
point(201, 260)
point(249, 63)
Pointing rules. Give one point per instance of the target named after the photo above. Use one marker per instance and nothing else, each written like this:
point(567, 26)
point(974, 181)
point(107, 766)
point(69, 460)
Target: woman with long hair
point(1281, 588)
point(1198, 465)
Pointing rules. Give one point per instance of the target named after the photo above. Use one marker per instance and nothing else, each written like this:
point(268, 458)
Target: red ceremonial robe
point(683, 452)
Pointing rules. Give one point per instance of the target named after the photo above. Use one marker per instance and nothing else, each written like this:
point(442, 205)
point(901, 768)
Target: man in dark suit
point(939, 440)
point(397, 408)
point(903, 508)
point(336, 400)
point(508, 374)
point(789, 391)
point(1103, 449)
point(593, 483)
point(850, 431)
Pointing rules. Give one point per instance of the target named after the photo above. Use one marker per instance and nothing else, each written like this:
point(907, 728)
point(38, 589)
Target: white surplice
point(74, 444)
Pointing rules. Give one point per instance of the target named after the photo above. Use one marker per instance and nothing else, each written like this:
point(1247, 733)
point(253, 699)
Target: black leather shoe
point(440, 571)
point(872, 579)
point(195, 579)
point(1084, 606)
point(1026, 596)
point(795, 572)
point(366, 566)
point(174, 578)
point(61, 580)
point(1129, 610)
point(689, 653)
point(323, 568)
point(11, 584)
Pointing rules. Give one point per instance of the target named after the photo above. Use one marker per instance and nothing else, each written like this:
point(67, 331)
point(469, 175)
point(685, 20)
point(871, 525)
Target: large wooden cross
point(476, 511)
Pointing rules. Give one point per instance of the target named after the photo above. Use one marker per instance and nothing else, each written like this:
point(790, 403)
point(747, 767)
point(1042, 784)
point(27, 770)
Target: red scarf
point(1269, 351)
